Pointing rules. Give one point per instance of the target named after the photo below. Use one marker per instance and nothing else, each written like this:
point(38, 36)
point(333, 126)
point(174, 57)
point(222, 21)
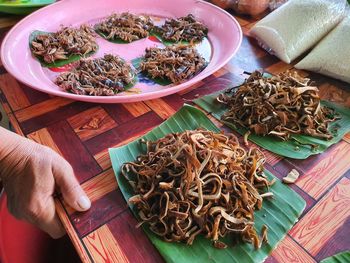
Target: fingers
point(47, 220)
point(69, 186)
point(39, 211)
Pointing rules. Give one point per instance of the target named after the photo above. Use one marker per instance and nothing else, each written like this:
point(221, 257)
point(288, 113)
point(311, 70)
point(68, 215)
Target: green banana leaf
point(279, 214)
point(295, 148)
point(58, 63)
point(343, 257)
point(131, 84)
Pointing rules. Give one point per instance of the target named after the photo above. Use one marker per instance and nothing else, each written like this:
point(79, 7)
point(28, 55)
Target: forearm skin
point(9, 142)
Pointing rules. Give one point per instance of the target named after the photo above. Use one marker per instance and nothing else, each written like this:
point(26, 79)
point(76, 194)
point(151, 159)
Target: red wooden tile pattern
point(104, 248)
point(133, 241)
point(84, 165)
point(290, 251)
point(318, 226)
point(83, 132)
point(91, 123)
point(317, 180)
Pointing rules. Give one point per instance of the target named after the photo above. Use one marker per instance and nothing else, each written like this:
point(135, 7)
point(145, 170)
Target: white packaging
point(297, 26)
point(331, 56)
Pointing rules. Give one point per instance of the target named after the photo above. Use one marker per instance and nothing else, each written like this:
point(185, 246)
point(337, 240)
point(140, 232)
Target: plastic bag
point(297, 26)
point(331, 56)
point(249, 7)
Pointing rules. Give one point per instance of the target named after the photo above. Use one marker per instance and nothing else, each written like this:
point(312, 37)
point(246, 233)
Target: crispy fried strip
point(280, 105)
point(198, 182)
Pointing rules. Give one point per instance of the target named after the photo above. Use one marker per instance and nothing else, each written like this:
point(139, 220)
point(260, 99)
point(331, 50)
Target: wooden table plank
point(319, 225)
point(91, 123)
point(13, 92)
point(317, 180)
point(41, 108)
point(103, 247)
point(73, 150)
point(290, 251)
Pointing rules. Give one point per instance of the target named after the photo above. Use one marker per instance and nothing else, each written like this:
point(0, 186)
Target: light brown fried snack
point(60, 45)
point(279, 105)
point(176, 63)
point(198, 182)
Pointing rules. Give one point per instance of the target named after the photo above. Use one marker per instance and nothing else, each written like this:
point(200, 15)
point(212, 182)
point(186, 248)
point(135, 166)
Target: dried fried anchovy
point(198, 182)
point(60, 45)
point(98, 77)
point(175, 63)
point(126, 26)
point(280, 105)
point(183, 29)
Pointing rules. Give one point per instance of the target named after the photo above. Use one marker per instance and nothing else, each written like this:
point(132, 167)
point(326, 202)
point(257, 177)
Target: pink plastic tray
point(224, 39)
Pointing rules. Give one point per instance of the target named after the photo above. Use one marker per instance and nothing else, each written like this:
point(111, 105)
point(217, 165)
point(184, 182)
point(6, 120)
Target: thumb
point(69, 186)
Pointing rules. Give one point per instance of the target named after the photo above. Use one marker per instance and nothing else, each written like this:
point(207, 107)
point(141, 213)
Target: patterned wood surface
point(82, 133)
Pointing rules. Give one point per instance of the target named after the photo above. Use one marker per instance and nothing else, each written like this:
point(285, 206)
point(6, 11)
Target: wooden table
point(82, 133)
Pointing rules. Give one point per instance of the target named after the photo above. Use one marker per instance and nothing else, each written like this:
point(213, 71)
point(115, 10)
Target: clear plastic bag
point(331, 56)
point(297, 26)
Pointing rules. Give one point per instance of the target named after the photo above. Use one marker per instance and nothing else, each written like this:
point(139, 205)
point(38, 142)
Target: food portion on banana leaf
point(199, 182)
point(279, 105)
point(180, 29)
point(176, 63)
point(105, 76)
point(283, 114)
point(64, 46)
point(125, 27)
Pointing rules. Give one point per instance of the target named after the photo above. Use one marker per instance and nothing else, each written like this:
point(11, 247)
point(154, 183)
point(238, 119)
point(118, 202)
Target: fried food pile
point(60, 45)
point(199, 182)
point(183, 29)
point(280, 105)
point(176, 63)
point(98, 77)
point(125, 26)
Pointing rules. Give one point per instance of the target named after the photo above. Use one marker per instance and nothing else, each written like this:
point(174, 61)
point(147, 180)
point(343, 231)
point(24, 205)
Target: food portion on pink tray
point(125, 27)
point(98, 77)
point(64, 46)
point(175, 63)
point(182, 29)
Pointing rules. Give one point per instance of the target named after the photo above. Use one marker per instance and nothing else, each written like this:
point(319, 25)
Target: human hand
point(31, 173)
